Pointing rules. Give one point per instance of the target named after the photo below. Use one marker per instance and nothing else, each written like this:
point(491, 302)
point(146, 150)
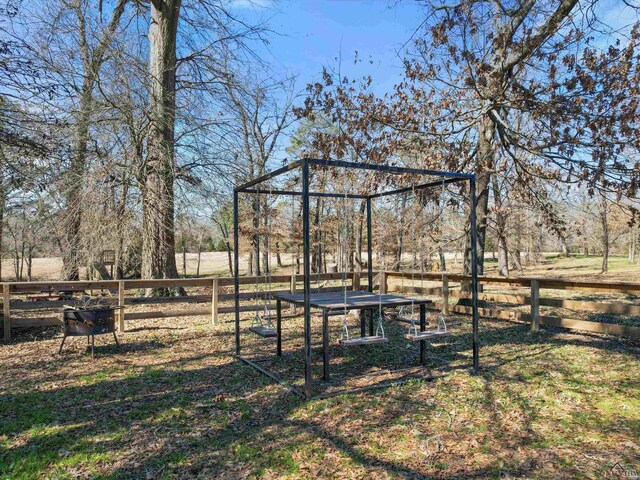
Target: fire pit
point(88, 322)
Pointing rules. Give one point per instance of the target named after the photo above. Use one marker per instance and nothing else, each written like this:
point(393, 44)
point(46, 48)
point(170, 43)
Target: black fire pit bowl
point(88, 323)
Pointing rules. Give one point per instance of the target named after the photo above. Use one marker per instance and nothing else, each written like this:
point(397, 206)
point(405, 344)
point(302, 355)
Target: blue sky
point(312, 34)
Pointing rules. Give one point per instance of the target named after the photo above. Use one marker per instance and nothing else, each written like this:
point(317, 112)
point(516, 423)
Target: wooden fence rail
point(533, 300)
point(445, 291)
point(118, 289)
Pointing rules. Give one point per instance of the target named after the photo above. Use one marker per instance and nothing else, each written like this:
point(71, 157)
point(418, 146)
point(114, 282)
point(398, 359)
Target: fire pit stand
point(88, 323)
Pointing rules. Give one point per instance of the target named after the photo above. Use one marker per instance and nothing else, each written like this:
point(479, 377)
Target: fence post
point(6, 310)
point(355, 281)
point(535, 305)
point(445, 294)
point(383, 282)
point(214, 301)
point(121, 305)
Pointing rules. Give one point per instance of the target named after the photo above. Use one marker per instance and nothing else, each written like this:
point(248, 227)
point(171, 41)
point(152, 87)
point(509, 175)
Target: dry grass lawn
point(174, 402)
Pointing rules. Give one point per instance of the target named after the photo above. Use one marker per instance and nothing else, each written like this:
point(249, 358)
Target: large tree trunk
point(183, 246)
point(564, 246)
point(484, 166)
point(501, 231)
point(74, 185)
point(158, 241)
point(517, 251)
point(603, 210)
point(250, 270)
point(3, 161)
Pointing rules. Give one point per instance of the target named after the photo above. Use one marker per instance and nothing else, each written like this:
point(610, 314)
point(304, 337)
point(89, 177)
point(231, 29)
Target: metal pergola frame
point(252, 187)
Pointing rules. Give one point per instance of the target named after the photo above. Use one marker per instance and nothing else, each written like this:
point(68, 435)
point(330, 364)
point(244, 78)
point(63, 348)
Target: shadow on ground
point(184, 407)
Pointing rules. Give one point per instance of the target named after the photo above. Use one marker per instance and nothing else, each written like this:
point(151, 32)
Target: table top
point(354, 300)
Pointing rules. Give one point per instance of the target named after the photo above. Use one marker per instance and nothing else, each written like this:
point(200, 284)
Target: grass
point(547, 405)
point(174, 402)
point(576, 267)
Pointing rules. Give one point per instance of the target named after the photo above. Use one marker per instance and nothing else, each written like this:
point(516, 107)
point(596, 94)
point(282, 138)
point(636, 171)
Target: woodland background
point(125, 125)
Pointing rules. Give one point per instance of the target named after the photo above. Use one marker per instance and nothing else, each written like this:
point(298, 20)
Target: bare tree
point(262, 113)
point(92, 61)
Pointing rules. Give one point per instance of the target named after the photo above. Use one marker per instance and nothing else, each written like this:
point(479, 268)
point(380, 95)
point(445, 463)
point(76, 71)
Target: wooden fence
point(117, 289)
point(391, 281)
point(533, 300)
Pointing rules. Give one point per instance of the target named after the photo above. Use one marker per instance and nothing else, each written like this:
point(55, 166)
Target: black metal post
point(371, 314)
point(279, 326)
point(307, 277)
point(423, 326)
point(386, 168)
point(325, 343)
point(369, 248)
point(363, 325)
point(236, 279)
point(474, 275)
point(418, 187)
point(314, 194)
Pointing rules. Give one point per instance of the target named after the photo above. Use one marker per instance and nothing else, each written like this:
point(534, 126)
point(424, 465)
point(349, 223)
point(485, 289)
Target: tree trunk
point(316, 254)
point(517, 251)
point(484, 167)
point(400, 237)
point(22, 252)
point(30, 263)
point(254, 256)
point(540, 243)
point(603, 210)
point(183, 246)
point(74, 181)
point(158, 241)
point(501, 231)
point(359, 236)
point(564, 247)
point(74, 185)
point(121, 206)
point(2, 203)
point(229, 257)
point(199, 256)
point(266, 261)
point(278, 255)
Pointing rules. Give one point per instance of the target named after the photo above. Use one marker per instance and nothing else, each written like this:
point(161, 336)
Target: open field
point(173, 402)
point(577, 267)
point(211, 263)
